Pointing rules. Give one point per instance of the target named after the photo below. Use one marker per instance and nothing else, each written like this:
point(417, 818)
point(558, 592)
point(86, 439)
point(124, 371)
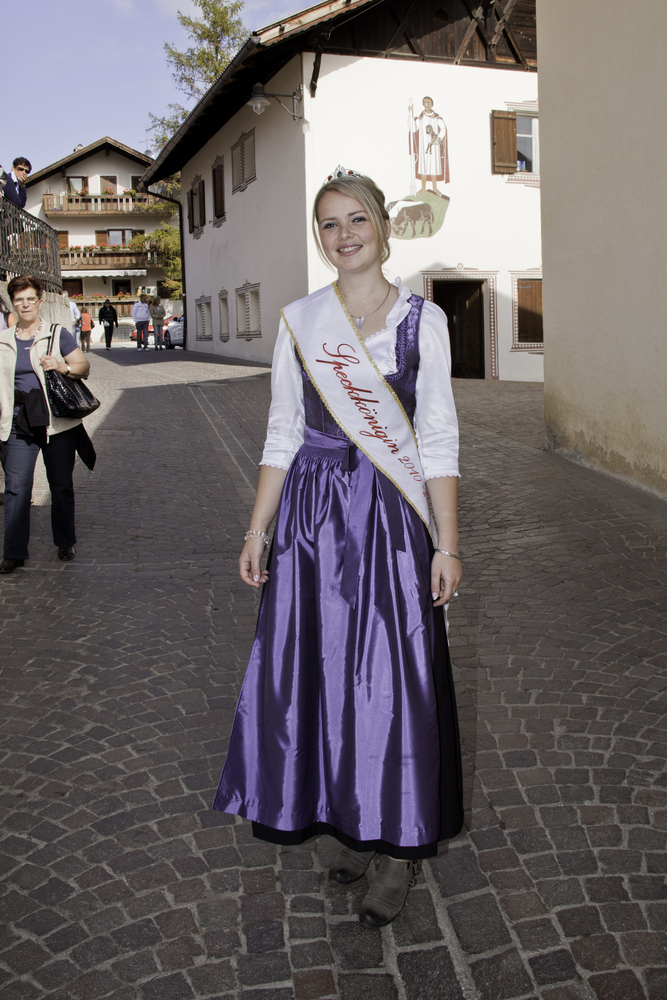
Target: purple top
point(25, 377)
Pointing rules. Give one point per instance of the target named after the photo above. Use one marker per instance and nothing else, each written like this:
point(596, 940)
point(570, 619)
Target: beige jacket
point(7, 373)
point(157, 313)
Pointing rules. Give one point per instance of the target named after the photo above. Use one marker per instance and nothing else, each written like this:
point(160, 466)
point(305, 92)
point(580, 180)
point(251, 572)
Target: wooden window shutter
point(529, 303)
point(63, 239)
point(202, 204)
point(101, 238)
point(190, 213)
point(249, 172)
point(218, 191)
point(503, 125)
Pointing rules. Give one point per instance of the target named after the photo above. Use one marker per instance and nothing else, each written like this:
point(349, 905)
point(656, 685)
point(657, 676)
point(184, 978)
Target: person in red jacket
point(87, 325)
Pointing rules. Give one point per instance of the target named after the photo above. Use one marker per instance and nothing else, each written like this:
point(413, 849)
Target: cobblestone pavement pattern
point(120, 676)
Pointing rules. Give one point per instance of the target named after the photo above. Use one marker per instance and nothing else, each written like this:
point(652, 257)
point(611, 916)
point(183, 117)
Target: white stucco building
point(447, 103)
point(90, 198)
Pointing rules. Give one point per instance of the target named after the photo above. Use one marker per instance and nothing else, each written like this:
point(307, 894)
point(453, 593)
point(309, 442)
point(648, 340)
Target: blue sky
point(75, 71)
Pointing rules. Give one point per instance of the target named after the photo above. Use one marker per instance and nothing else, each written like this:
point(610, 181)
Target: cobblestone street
point(120, 677)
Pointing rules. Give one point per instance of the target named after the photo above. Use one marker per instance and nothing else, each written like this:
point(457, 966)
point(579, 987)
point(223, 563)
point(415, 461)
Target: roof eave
point(83, 153)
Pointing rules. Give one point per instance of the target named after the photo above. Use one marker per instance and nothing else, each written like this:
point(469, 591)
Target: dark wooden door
point(463, 303)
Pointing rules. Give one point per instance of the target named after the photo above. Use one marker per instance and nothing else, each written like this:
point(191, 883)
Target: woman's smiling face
point(346, 233)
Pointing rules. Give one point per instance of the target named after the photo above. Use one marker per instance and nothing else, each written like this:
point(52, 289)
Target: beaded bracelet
point(253, 533)
point(452, 554)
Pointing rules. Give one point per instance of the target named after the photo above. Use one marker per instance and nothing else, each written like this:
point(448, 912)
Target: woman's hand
point(446, 575)
point(249, 563)
point(79, 365)
point(49, 363)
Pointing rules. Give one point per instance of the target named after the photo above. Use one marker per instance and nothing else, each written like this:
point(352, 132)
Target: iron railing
point(28, 246)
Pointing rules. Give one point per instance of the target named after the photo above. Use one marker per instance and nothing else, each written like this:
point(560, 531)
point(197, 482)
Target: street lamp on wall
point(259, 100)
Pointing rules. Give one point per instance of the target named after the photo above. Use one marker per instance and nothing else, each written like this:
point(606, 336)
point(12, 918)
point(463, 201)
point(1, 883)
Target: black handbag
point(69, 398)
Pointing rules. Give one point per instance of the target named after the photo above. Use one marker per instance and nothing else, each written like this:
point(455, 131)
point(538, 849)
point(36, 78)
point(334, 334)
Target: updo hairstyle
point(368, 194)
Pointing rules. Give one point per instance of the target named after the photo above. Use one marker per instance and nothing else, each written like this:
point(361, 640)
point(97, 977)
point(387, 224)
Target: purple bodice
point(403, 381)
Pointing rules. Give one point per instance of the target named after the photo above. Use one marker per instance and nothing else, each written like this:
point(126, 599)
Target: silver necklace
point(360, 320)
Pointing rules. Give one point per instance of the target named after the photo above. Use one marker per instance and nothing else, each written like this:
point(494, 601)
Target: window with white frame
point(243, 161)
point(248, 318)
point(204, 329)
point(527, 145)
point(223, 309)
point(515, 139)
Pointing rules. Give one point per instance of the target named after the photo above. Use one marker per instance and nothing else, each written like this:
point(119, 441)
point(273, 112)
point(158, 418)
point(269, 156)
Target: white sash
point(352, 388)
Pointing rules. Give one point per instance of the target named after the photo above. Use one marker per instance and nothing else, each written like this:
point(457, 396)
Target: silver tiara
point(341, 171)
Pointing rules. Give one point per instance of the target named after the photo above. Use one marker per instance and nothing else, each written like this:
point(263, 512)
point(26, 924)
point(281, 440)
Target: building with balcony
point(91, 200)
point(438, 102)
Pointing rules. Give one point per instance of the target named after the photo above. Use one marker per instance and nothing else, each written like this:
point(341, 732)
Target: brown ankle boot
point(350, 865)
point(389, 889)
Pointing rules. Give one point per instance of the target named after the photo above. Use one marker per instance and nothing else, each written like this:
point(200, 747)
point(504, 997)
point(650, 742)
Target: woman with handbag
point(28, 425)
point(346, 723)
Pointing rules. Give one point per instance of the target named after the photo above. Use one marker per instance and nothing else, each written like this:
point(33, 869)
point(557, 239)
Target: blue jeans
point(59, 456)
point(142, 333)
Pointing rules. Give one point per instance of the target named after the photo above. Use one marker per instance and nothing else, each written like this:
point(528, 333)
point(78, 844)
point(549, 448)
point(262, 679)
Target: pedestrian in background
point(108, 317)
point(87, 325)
point(15, 189)
point(27, 425)
point(75, 313)
point(141, 315)
point(157, 316)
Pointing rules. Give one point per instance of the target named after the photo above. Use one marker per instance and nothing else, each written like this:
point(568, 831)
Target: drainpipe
point(175, 201)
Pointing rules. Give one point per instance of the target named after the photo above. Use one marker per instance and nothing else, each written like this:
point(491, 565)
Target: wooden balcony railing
point(103, 258)
point(125, 204)
point(28, 246)
point(93, 303)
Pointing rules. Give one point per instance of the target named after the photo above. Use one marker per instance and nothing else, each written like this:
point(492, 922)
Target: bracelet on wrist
point(253, 533)
point(452, 555)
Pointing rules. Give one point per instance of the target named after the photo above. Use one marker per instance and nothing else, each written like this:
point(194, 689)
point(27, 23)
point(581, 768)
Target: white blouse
point(436, 426)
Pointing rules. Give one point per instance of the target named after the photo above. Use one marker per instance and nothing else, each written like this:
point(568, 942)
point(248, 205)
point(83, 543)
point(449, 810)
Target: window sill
point(196, 233)
point(530, 180)
point(528, 348)
point(244, 185)
point(248, 334)
point(219, 222)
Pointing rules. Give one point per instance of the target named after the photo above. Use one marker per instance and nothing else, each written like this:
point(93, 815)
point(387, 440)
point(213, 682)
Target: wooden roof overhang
point(106, 145)
point(492, 33)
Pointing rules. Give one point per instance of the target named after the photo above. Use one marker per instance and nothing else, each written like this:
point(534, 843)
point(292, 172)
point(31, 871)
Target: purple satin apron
point(346, 723)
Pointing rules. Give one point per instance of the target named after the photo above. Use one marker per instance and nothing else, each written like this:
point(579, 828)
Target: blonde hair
point(368, 194)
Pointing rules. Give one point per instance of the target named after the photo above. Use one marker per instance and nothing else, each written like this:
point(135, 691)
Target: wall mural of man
point(421, 213)
point(428, 136)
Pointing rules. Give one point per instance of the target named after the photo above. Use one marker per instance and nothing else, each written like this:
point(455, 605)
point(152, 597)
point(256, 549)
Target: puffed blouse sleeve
point(286, 428)
point(436, 425)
